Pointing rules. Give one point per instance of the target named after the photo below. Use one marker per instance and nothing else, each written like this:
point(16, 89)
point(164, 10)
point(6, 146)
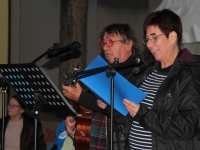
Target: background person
point(65, 134)
point(19, 128)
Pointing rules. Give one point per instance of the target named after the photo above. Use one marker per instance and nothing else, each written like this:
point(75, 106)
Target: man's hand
point(72, 93)
point(101, 104)
point(70, 123)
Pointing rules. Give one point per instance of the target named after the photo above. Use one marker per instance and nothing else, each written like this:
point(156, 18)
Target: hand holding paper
point(131, 107)
point(99, 84)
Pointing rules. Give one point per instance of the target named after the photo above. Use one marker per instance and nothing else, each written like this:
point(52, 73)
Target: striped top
point(139, 138)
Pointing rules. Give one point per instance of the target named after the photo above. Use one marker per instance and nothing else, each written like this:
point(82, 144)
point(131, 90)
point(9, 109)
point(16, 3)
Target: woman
point(19, 128)
point(169, 117)
point(65, 134)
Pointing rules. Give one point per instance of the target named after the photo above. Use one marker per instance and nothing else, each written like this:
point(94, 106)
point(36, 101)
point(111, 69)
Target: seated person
point(19, 128)
point(65, 134)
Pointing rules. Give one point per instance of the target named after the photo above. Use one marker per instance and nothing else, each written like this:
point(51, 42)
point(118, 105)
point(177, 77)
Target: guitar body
point(82, 135)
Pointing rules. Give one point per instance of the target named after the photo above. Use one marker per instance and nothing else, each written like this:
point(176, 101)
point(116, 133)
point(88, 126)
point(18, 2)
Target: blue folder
point(100, 85)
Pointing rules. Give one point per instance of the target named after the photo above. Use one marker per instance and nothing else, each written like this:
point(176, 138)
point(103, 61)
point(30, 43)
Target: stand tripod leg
point(35, 137)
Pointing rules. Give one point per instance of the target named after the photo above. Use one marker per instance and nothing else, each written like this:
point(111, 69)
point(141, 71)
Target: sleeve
point(179, 117)
point(89, 101)
point(117, 117)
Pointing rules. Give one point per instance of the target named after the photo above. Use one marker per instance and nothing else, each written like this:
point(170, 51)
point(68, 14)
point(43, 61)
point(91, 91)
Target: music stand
point(35, 89)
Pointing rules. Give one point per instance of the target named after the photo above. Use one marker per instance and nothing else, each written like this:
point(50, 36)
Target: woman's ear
point(173, 37)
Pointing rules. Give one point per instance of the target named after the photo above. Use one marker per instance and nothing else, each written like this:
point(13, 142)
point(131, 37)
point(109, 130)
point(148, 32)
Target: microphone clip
point(53, 48)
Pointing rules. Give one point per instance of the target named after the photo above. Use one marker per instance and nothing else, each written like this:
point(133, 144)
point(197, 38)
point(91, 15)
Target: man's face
point(119, 49)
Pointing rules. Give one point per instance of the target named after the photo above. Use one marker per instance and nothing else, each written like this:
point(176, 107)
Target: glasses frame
point(13, 106)
point(153, 38)
point(103, 43)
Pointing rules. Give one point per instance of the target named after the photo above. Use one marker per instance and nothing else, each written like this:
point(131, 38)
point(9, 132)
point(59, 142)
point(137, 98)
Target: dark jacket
point(88, 100)
point(174, 119)
point(28, 133)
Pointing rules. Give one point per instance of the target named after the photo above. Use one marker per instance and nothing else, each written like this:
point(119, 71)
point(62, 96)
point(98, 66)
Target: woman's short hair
point(167, 21)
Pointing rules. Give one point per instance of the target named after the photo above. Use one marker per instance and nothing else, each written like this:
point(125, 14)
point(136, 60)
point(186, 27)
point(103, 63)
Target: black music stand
point(35, 89)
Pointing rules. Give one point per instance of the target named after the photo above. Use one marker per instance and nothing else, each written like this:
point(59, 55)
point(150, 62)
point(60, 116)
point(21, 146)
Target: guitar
point(82, 134)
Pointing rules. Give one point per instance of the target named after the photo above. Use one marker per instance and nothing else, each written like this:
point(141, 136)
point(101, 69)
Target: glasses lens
point(12, 106)
point(153, 38)
point(109, 43)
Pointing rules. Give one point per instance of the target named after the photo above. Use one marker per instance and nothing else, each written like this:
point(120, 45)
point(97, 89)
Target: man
point(117, 41)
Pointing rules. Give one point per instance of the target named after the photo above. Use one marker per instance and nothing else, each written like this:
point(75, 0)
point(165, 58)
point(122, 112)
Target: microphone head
point(2, 82)
point(58, 51)
point(68, 76)
point(136, 70)
point(76, 45)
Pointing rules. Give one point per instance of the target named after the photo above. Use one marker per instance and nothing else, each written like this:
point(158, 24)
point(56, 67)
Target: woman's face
point(14, 108)
point(160, 46)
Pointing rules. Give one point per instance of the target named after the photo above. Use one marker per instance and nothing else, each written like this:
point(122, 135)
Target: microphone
point(68, 76)
point(145, 63)
point(2, 82)
point(55, 52)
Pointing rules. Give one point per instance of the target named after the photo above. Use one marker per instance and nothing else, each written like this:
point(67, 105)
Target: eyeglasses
point(153, 38)
point(13, 106)
point(108, 43)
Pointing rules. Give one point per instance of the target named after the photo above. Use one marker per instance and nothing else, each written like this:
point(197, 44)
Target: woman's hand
point(131, 107)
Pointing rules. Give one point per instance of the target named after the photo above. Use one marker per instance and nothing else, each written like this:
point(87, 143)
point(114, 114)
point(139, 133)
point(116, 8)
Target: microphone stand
point(3, 91)
point(37, 108)
point(54, 47)
point(110, 71)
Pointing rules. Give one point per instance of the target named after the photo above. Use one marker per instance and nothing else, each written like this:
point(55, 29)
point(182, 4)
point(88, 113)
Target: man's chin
point(110, 59)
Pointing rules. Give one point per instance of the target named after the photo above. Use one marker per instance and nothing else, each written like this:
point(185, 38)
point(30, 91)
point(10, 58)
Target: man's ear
point(129, 46)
